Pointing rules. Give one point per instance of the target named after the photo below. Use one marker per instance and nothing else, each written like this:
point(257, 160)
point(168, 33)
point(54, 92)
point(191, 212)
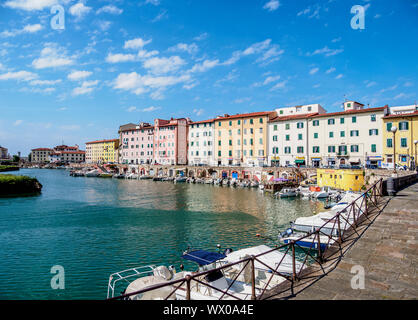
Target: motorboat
point(93, 173)
point(209, 181)
point(261, 186)
point(303, 240)
point(225, 182)
point(254, 184)
point(180, 179)
point(320, 194)
point(287, 193)
point(303, 191)
point(145, 177)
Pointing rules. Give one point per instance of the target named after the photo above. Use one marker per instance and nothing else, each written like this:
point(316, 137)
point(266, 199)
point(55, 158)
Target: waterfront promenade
point(388, 251)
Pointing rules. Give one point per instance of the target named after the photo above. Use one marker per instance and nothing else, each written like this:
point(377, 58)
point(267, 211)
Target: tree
point(16, 158)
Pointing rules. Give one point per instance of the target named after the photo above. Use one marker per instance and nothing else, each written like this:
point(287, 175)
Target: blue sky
point(130, 61)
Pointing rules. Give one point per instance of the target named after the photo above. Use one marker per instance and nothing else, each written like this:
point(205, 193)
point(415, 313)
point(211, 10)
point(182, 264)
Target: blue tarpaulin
point(203, 257)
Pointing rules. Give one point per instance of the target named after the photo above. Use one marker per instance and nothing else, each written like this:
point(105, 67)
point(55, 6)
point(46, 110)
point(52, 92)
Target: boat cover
point(203, 257)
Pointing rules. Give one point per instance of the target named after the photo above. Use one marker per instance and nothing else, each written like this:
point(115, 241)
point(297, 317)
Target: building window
point(342, 134)
point(287, 126)
point(354, 133)
point(230, 123)
point(251, 121)
point(331, 149)
point(354, 119)
point(219, 142)
point(287, 150)
point(230, 142)
point(239, 122)
point(220, 124)
point(275, 127)
point(404, 125)
point(300, 149)
point(373, 132)
point(299, 136)
point(389, 143)
point(404, 143)
point(219, 153)
point(315, 135)
point(331, 121)
point(354, 148)
point(287, 137)
point(261, 120)
point(274, 138)
point(315, 123)
point(373, 118)
point(331, 134)
point(315, 149)
point(341, 120)
point(373, 148)
point(299, 125)
point(388, 126)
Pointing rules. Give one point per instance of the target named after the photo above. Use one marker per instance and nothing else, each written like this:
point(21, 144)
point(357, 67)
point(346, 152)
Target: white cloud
point(408, 84)
point(153, 2)
point(336, 40)
point(52, 56)
point(151, 109)
point(330, 70)
point(139, 84)
point(17, 122)
point(44, 82)
point(30, 28)
point(339, 76)
point(272, 5)
point(30, 5)
point(136, 43)
point(120, 57)
point(131, 109)
point(389, 89)
point(268, 80)
point(163, 65)
point(19, 75)
point(77, 75)
point(86, 87)
point(205, 65)
point(109, 9)
point(242, 100)
point(79, 10)
point(371, 84)
point(201, 37)
point(257, 47)
point(279, 85)
point(143, 54)
point(198, 112)
point(313, 71)
point(190, 48)
point(326, 51)
point(270, 52)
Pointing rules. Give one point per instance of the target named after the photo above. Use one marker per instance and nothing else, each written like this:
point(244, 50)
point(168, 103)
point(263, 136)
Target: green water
point(94, 227)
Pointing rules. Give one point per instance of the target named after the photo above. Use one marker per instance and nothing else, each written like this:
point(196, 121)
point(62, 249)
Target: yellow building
point(342, 179)
point(242, 139)
point(102, 151)
point(405, 138)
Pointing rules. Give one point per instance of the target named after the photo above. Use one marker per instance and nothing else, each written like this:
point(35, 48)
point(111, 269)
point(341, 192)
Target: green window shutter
point(388, 126)
point(373, 148)
point(354, 119)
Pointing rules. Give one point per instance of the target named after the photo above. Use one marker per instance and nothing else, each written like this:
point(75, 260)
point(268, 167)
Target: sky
point(110, 63)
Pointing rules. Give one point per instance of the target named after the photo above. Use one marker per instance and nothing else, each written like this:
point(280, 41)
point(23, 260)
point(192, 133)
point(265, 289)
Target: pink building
point(170, 141)
point(136, 143)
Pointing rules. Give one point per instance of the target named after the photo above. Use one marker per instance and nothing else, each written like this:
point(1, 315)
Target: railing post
point(339, 229)
point(188, 278)
point(293, 261)
point(253, 296)
point(319, 247)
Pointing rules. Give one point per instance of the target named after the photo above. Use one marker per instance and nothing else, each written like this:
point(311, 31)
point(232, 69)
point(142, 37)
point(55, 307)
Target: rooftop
point(341, 113)
point(246, 115)
point(102, 141)
point(402, 115)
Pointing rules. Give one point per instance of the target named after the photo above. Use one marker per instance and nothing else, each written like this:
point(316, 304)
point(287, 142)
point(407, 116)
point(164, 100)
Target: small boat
point(157, 178)
point(209, 181)
point(304, 191)
point(310, 242)
point(144, 177)
point(320, 194)
point(225, 182)
point(217, 181)
point(254, 184)
point(287, 193)
point(261, 186)
point(93, 173)
point(180, 179)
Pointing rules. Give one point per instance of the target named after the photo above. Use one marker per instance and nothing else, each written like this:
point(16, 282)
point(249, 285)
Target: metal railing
point(347, 227)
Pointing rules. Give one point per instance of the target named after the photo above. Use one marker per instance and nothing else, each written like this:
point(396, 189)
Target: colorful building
point(341, 179)
point(406, 136)
point(242, 139)
point(102, 151)
point(41, 155)
point(170, 141)
point(349, 137)
point(136, 143)
point(201, 143)
point(67, 154)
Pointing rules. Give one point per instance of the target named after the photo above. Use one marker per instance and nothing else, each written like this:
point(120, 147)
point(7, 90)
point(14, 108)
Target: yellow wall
point(102, 152)
point(411, 135)
point(223, 127)
point(343, 179)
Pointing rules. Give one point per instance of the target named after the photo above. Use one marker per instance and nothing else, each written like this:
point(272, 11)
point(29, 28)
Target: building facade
point(201, 143)
point(67, 154)
point(350, 137)
point(170, 141)
point(41, 155)
point(4, 153)
point(136, 143)
point(288, 140)
point(102, 151)
point(406, 139)
point(242, 139)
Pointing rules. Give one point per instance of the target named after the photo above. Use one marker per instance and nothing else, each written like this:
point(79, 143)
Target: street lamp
point(416, 160)
point(394, 129)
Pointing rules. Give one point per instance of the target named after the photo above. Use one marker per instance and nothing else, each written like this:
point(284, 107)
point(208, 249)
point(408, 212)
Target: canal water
point(93, 227)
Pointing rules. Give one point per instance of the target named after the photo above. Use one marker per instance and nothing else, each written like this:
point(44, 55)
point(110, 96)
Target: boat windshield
point(203, 257)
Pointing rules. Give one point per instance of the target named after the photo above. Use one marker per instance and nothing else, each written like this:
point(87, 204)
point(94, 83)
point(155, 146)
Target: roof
point(247, 115)
point(203, 257)
point(42, 149)
point(294, 117)
point(341, 113)
point(402, 115)
point(102, 141)
point(203, 121)
point(132, 126)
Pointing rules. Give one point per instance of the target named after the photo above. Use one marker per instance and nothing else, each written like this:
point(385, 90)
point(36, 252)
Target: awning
point(203, 257)
point(299, 161)
point(316, 159)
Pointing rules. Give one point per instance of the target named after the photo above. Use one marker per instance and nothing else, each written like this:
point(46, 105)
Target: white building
point(201, 147)
point(403, 109)
point(299, 110)
point(288, 140)
point(353, 136)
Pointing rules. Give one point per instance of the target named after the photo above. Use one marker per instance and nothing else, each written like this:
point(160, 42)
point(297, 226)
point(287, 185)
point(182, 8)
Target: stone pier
point(388, 252)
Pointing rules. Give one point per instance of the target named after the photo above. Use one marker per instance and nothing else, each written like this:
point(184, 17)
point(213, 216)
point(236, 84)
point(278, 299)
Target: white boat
point(180, 179)
point(287, 193)
point(309, 242)
point(261, 186)
point(303, 191)
point(93, 173)
point(322, 194)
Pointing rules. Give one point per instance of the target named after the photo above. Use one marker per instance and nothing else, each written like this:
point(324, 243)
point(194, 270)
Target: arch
point(203, 174)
